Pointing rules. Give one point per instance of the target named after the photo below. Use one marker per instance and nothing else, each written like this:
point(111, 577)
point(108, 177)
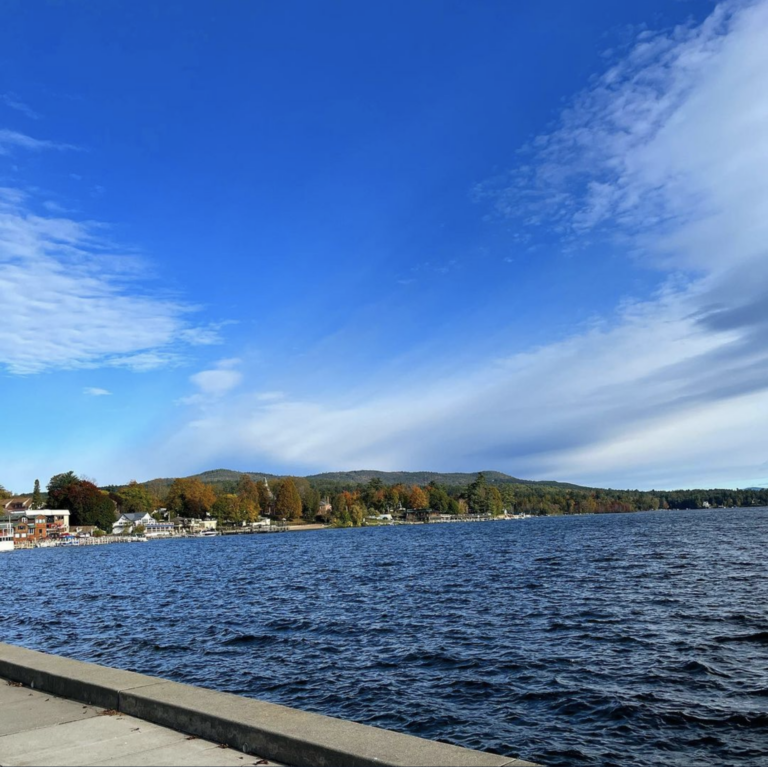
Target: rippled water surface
point(618, 639)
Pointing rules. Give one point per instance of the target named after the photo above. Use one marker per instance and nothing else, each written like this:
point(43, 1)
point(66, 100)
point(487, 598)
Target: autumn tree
point(87, 504)
point(266, 498)
point(190, 498)
point(417, 498)
point(235, 508)
point(288, 500)
point(248, 493)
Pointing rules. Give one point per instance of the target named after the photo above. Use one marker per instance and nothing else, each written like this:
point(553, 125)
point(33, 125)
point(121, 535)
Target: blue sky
point(297, 237)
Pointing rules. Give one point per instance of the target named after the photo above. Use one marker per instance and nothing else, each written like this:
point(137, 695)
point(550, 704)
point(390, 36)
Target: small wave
point(427, 659)
point(171, 647)
point(758, 637)
point(289, 625)
point(249, 639)
point(697, 667)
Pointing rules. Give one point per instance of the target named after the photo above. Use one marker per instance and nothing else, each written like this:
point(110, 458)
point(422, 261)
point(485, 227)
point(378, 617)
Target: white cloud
point(94, 391)
point(665, 155)
point(10, 140)
point(215, 382)
point(71, 302)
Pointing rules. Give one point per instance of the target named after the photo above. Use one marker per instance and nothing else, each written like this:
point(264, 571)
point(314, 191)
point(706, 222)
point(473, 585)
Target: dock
point(58, 711)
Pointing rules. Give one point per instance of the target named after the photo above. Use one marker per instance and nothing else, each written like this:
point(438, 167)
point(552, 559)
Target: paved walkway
point(40, 729)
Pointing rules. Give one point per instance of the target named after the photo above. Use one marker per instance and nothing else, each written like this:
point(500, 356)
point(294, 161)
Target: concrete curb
point(274, 732)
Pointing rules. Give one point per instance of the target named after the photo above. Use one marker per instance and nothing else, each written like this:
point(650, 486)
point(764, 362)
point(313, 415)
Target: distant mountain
point(363, 476)
point(425, 477)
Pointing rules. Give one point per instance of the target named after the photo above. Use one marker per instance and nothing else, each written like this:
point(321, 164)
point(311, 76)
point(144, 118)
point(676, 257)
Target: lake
point(617, 639)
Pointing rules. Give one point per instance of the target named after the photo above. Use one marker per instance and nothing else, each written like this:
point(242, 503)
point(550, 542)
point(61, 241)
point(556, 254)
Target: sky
point(453, 236)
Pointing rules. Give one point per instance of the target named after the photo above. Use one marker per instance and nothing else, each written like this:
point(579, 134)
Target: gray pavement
point(40, 729)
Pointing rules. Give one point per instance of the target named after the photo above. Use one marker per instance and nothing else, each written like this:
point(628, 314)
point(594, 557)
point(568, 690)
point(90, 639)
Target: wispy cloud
point(10, 140)
point(13, 102)
point(664, 155)
point(94, 391)
point(71, 301)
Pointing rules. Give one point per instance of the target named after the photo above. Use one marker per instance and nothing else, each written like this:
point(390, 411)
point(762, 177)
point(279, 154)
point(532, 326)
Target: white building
point(127, 523)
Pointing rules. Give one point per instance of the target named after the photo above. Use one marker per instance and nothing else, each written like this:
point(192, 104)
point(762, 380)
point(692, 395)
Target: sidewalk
point(40, 729)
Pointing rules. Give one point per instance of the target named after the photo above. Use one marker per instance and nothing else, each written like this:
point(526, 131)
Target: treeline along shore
point(346, 499)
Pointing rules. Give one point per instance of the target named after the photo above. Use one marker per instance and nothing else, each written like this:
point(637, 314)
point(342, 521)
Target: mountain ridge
point(363, 476)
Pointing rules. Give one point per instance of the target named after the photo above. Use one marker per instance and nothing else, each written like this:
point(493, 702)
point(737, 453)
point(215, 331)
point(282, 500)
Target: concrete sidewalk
point(40, 729)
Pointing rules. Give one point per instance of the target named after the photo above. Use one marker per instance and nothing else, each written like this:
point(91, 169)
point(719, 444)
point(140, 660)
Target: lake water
point(618, 639)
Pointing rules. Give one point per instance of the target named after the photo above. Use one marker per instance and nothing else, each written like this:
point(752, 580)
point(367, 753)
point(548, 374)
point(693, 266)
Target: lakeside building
point(38, 524)
point(193, 525)
point(127, 523)
point(18, 503)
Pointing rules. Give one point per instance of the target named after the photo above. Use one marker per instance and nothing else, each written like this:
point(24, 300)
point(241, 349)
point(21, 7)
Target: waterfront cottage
point(127, 523)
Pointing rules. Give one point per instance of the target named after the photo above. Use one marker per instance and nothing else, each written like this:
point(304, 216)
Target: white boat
point(6, 537)
point(206, 534)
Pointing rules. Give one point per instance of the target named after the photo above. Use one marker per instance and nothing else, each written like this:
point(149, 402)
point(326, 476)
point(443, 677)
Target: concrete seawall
point(276, 732)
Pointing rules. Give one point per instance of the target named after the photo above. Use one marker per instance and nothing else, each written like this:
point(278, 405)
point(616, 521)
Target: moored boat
point(6, 537)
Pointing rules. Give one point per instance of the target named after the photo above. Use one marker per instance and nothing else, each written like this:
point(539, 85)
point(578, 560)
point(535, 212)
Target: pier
point(57, 711)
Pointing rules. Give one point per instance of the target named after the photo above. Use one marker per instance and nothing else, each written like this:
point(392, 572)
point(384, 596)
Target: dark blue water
point(619, 639)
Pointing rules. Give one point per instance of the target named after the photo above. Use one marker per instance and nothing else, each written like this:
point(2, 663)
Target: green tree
point(37, 496)
point(310, 504)
point(438, 498)
point(288, 500)
point(340, 510)
point(357, 514)
point(476, 495)
point(4, 494)
point(57, 485)
point(135, 499)
point(495, 504)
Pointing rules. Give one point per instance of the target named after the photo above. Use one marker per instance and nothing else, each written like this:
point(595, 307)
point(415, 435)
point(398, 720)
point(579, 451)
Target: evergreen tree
point(495, 504)
point(476, 495)
point(438, 498)
point(37, 496)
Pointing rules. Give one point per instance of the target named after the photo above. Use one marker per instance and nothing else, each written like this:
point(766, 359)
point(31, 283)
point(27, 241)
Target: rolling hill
point(363, 476)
